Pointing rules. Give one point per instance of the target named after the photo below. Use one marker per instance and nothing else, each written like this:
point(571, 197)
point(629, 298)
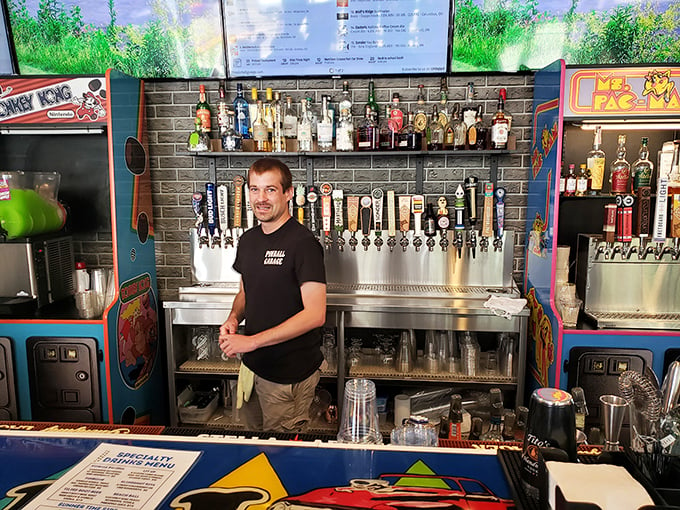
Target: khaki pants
point(280, 407)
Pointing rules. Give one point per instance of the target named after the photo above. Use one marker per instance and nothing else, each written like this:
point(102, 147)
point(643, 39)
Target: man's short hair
point(263, 165)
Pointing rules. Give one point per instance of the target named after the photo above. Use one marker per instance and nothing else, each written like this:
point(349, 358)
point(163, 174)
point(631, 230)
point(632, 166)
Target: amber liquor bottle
point(500, 125)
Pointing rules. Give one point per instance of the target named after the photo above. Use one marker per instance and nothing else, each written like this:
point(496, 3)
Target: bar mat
point(56, 426)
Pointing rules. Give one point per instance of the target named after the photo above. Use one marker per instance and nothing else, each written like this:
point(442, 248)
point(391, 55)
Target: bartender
point(282, 297)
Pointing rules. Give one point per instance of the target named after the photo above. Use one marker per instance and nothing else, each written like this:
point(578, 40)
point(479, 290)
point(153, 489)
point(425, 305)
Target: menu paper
point(307, 37)
point(116, 477)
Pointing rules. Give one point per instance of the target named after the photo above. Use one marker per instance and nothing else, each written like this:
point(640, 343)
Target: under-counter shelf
point(230, 367)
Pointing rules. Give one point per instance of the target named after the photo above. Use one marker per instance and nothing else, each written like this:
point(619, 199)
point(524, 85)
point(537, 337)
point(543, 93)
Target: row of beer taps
point(365, 215)
point(620, 238)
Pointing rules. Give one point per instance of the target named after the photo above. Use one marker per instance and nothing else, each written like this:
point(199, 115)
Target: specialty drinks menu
point(336, 37)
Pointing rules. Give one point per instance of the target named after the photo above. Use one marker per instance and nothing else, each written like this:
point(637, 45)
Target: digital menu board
point(268, 38)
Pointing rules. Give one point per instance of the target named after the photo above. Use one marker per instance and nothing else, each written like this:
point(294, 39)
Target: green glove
point(244, 385)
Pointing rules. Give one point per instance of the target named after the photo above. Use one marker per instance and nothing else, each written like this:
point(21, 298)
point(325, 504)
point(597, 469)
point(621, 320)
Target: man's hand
point(233, 344)
point(229, 327)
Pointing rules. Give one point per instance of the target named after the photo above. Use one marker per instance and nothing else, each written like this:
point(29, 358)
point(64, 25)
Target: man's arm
point(312, 315)
point(237, 313)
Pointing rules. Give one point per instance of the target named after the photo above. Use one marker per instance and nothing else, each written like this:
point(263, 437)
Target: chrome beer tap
point(404, 219)
point(487, 217)
point(443, 222)
point(326, 214)
point(365, 218)
point(377, 198)
point(645, 248)
point(197, 207)
point(417, 208)
point(471, 203)
point(500, 219)
point(676, 248)
point(391, 221)
point(459, 226)
point(337, 222)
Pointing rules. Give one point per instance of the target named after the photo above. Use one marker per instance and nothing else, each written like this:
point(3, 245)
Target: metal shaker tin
point(551, 423)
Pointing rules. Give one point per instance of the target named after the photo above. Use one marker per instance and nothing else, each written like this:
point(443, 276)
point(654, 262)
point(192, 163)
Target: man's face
point(267, 197)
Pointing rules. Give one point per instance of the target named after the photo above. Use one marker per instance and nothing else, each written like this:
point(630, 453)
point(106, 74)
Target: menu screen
point(336, 37)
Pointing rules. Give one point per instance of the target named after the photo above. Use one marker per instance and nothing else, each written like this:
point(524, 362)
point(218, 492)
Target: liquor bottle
point(499, 126)
point(508, 115)
point(252, 106)
point(231, 140)
point(420, 117)
point(444, 113)
point(469, 110)
point(344, 131)
point(619, 177)
point(367, 131)
point(268, 116)
point(203, 109)
point(476, 134)
point(375, 114)
point(278, 139)
point(290, 119)
point(429, 221)
point(582, 181)
point(397, 113)
point(241, 113)
point(595, 163)
point(563, 180)
point(570, 183)
point(642, 168)
point(455, 132)
point(456, 417)
point(324, 128)
point(260, 132)
point(409, 138)
point(387, 133)
point(304, 130)
point(198, 140)
point(222, 111)
point(435, 132)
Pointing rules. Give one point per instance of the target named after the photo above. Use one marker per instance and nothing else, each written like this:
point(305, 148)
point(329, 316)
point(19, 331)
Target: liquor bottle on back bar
point(619, 177)
point(375, 114)
point(222, 119)
point(260, 131)
point(500, 125)
point(397, 113)
point(241, 113)
point(367, 131)
point(290, 119)
point(420, 117)
point(642, 168)
point(304, 131)
point(595, 163)
point(344, 131)
point(203, 109)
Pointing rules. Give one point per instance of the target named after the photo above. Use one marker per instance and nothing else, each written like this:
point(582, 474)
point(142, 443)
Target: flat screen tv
point(280, 38)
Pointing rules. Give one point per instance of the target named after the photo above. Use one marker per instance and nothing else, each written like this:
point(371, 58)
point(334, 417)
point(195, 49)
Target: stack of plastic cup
point(359, 422)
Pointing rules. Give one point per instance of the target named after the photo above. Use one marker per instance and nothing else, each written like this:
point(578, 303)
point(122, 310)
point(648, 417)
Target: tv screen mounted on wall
point(278, 38)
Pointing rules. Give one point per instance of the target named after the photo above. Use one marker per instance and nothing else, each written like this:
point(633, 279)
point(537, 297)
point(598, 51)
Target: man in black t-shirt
point(282, 298)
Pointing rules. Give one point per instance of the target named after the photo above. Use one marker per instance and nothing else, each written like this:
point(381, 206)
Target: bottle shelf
point(222, 154)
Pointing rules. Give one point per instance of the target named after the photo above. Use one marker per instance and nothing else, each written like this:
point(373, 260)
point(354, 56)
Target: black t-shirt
point(273, 267)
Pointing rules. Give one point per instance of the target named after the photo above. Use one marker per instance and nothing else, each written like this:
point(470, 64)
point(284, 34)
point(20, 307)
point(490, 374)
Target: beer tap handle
point(377, 198)
point(487, 217)
point(239, 181)
point(223, 214)
point(353, 220)
point(417, 208)
point(391, 221)
point(443, 222)
point(459, 226)
point(365, 215)
point(197, 207)
point(250, 217)
point(500, 218)
point(404, 219)
point(312, 197)
point(471, 202)
point(211, 206)
point(337, 222)
point(326, 213)
point(300, 202)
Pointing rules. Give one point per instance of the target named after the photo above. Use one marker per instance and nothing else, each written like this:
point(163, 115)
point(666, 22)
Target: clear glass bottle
point(595, 161)
point(444, 113)
point(260, 131)
point(455, 132)
point(582, 181)
point(252, 106)
point(304, 130)
point(435, 132)
point(387, 133)
point(278, 139)
point(231, 140)
point(324, 128)
point(570, 182)
point(619, 176)
point(397, 113)
point(476, 134)
point(344, 131)
point(409, 138)
point(290, 119)
point(221, 111)
point(367, 131)
point(469, 109)
point(642, 168)
point(375, 113)
point(203, 109)
point(198, 140)
point(241, 113)
point(500, 126)
point(420, 119)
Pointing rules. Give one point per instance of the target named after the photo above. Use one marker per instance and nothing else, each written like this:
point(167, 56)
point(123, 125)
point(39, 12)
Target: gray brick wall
point(170, 111)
